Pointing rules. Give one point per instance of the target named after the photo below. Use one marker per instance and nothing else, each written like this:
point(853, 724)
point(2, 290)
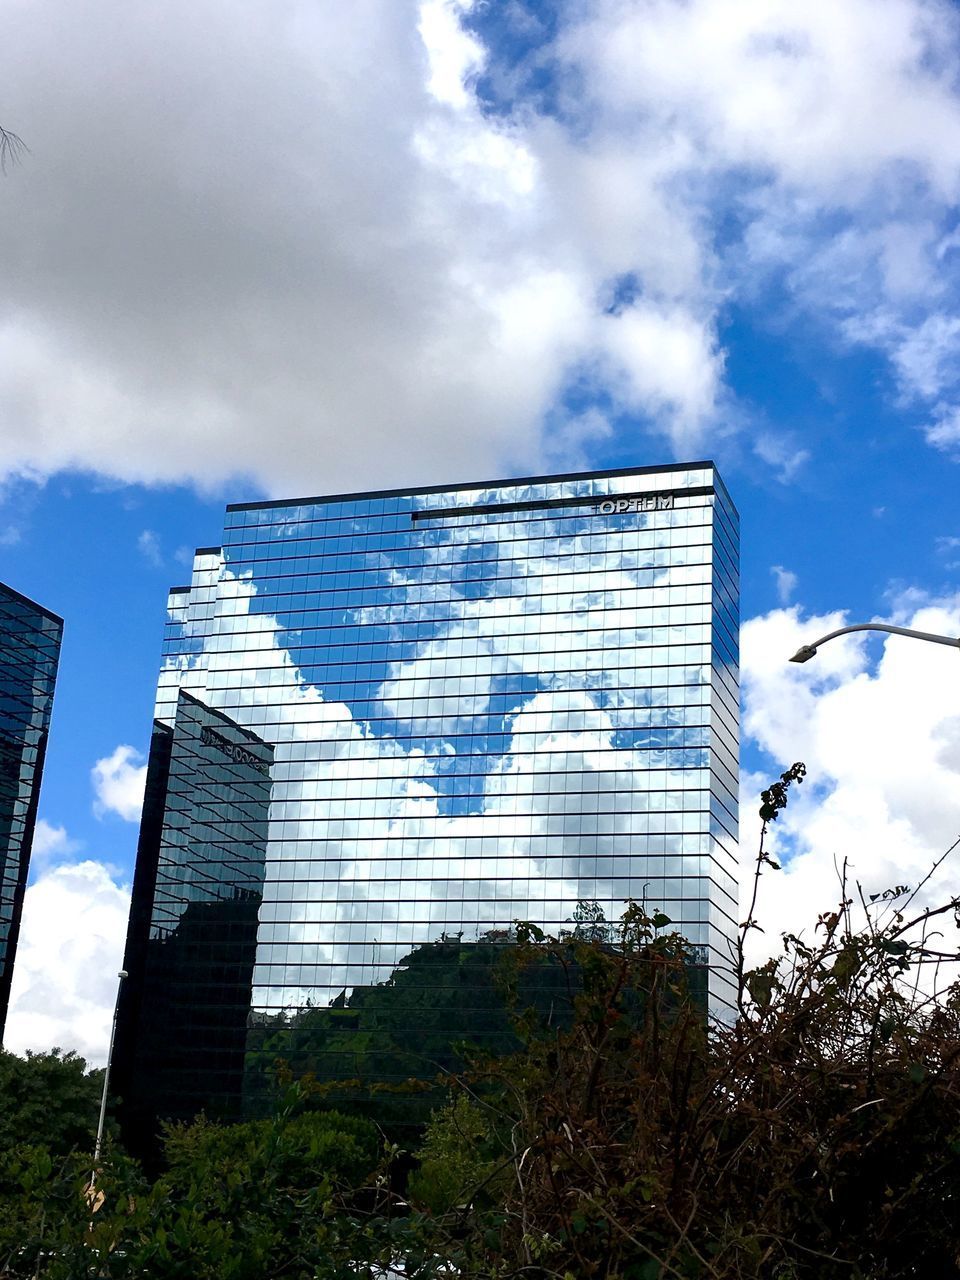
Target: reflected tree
point(391, 1051)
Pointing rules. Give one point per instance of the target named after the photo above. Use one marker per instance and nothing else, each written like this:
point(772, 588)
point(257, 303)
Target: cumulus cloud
point(118, 782)
point(70, 951)
point(50, 844)
point(325, 245)
point(878, 725)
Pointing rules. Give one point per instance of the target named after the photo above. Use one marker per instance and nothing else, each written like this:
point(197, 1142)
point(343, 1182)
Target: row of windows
point(542, 531)
point(643, 552)
point(660, 790)
point(405, 851)
point(420, 546)
point(374, 572)
point(609, 651)
point(541, 534)
point(496, 505)
point(600, 488)
point(395, 606)
point(322, 754)
point(628, 668)
point(416, 719)
point(323, 859)
point(627, 714)
point(396, 897)
point(498, 784)
point(531, 633)
point(472, 836)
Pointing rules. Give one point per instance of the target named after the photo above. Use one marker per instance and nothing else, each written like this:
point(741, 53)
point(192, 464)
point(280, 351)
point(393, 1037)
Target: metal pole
point(106, 1079)
point(808, 651)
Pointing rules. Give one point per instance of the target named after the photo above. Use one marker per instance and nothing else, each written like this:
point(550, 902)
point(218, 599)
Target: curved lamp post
point(808, 651)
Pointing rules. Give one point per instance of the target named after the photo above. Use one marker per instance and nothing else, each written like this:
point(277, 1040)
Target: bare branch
point(12, 149)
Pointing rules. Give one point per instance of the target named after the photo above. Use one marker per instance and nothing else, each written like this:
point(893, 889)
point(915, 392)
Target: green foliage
point(52, 1223)
point(48, 1100)
point(239, 1202)
point(460, 1163)
point(292, 1149)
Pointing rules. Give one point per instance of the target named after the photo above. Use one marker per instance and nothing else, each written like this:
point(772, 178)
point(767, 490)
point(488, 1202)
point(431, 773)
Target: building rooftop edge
point(610, 472)
point(40, 608)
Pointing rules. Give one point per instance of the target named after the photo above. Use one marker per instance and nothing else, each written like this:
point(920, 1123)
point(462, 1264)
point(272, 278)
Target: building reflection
point(388, 1049)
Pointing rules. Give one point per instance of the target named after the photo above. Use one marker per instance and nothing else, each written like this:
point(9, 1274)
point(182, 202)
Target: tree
point(237, 1202)
point(815, 1135)
point(49, 1100)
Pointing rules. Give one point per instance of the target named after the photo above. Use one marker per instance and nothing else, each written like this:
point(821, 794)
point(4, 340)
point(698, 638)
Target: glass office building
point(192, 937)
point(483, 703)
point(29, 653)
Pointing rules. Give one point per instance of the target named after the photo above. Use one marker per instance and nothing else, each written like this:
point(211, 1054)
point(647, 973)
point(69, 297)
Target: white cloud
point(326, 250)
point(786, 582)
point(148, 544)
point(819, 95)
point(454, 56)
point(944, 432)
point(50, 844)
point(878, 725)
point(70, 951)
point(927, 357)
point(118, 782)
point(780, 453)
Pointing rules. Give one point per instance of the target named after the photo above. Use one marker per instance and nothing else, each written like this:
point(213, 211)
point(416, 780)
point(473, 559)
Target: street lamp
point(106, 1078)
point(808, 651)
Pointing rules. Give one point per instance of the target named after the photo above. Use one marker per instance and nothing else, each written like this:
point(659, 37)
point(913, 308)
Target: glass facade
point(484, 703)
point(191, 943)
point(29, 653)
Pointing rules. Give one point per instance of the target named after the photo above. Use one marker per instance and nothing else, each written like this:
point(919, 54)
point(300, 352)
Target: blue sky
point(406, 243)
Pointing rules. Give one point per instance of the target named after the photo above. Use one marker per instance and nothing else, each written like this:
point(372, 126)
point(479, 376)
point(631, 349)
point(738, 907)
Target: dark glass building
point(192, 937)
point(483, 703)
point(29, 653)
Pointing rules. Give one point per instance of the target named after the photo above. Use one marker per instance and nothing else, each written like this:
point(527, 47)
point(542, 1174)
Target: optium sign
point(642, 502)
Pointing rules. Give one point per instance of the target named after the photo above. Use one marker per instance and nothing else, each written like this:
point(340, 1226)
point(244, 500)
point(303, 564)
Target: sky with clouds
point(316, 248)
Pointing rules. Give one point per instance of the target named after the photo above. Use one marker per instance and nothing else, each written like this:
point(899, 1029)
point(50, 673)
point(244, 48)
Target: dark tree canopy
point(48, 1099)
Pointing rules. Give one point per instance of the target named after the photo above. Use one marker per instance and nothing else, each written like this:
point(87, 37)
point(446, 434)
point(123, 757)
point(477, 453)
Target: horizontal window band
point(553, 504)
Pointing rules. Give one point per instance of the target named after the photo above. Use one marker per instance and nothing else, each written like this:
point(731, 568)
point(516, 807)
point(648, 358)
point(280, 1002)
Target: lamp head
point(804, 653)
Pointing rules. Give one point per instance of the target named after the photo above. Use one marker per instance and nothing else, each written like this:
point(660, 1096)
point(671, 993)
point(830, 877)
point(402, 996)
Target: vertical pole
point(98, 1146)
